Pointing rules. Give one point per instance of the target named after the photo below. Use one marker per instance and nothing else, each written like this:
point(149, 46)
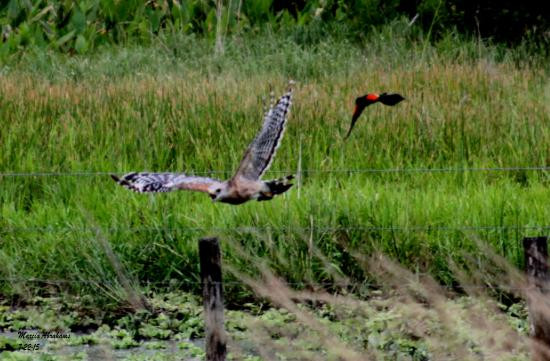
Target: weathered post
point(536, 266)
point(212, 294)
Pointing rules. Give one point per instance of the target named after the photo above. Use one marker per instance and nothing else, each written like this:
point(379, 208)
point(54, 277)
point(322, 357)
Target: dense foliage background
point(83, 25)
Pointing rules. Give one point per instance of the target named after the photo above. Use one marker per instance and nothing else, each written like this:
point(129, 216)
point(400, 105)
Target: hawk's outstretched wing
point(260, 152)
point(166, 182)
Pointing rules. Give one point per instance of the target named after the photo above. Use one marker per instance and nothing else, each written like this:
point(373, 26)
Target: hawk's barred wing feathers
point(260, 152)
point(165, 182)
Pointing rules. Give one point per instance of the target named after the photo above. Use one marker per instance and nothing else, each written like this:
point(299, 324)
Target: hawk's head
point(218, 192)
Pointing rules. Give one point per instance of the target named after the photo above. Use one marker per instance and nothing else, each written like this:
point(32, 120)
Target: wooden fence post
point(536, 266)
point(212, 293)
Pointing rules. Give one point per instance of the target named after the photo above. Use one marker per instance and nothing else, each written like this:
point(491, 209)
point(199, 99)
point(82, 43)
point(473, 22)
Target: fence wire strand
point(312, 284)
point(424, 228)
point(302, 171)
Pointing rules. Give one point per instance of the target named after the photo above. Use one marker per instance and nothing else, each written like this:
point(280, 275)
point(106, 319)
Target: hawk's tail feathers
point(276, 186)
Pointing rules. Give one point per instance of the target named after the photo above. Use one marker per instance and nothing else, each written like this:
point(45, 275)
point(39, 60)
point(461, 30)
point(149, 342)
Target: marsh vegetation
point(443, 184)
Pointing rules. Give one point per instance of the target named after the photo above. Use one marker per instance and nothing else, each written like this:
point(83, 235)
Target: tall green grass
point(175, 106)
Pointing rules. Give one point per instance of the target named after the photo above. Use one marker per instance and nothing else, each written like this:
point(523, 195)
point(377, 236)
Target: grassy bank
point(175, 106)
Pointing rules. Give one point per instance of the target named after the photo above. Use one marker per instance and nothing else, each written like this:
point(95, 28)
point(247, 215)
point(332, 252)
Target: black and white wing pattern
point(166, 182)
point(260, 152)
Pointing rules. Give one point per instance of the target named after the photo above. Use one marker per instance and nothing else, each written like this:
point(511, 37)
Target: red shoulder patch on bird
point(372, 96)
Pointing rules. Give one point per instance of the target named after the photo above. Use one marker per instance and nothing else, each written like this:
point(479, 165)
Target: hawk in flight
point(245, 184)
point(364, 101)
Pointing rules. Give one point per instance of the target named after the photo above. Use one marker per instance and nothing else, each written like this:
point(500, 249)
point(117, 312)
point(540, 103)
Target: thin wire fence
point(256, 229)
point(302, 171)
point(262, 229)
point(424, 228)
point(312, 284)
point(421, 228)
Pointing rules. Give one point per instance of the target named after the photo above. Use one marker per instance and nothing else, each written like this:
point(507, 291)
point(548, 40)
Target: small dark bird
point(364, 101)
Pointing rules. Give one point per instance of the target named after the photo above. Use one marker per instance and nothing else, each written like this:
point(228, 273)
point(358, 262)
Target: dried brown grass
point(450, 325)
